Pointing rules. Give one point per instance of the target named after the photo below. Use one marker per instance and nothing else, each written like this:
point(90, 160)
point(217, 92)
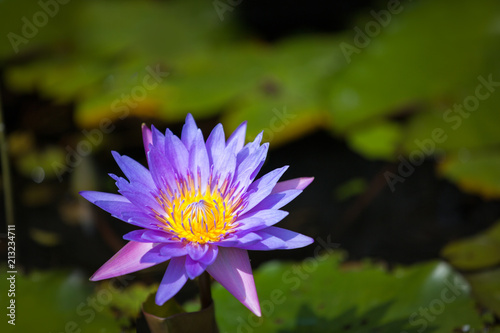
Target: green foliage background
point(384, 94)
point(429, 56)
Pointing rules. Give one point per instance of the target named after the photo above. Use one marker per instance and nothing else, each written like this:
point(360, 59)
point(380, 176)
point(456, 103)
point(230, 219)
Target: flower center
point(196, 215)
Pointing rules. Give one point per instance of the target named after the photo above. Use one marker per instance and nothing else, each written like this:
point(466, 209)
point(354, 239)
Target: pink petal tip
point(233, 271)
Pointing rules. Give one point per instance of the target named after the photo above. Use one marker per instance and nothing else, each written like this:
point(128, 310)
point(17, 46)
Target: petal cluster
point(199, 206)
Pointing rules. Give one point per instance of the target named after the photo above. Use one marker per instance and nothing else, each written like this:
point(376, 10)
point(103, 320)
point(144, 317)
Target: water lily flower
point(199, 206)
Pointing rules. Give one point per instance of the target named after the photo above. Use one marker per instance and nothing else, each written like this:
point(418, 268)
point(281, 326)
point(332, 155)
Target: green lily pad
point(481, 251)
point(486, 289)
point(479, 256)
point(321, 295)
point(404, 61)
point(286, 98)
point(377, 141)
point(59, 302)
point(62, 79)
point(475, 171)
point(157, 30)
point(127, 300)
point(30, 26)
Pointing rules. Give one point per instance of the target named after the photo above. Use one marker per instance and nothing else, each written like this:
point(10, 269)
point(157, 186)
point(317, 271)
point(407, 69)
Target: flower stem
point(205, 292)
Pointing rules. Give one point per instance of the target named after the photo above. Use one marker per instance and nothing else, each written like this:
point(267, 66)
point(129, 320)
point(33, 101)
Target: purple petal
point(161, 169)
point(238, 137)
point(154, 255)
point(249, 167)
point(119, 206)
point(142, 199)
point(157, 236)
point(249, 148)
point(216, 143)
point(198, 161)
point(274, 238)
point(165, 251)
point(134, 171)
point(196, 251)
point(125, 261)
point(189, 131)
point(262, 187)
point(225, 165)
point(175, 249)
point(283, 193)
point(140, 196)
point(250, 223)
point(194, 268)
point(140, 219)
point(148, 236)
point(136, 236)
point(174, 279)
point(237, 240)
point(260, 219)
point(94, 196)
point(267, 243)
point(292, 184)
point(210, 255)
point(176, 153)
point(276, 200)
point(158, 137)
point(147, 138)
point(232, 270)
point(119, 210)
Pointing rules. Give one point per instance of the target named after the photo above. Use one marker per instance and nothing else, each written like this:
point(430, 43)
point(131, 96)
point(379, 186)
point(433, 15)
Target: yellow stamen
point(193, 215)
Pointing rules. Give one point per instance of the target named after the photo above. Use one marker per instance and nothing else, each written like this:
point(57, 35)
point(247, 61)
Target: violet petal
point(232, 270)
point(174, 279)
point(125, 261)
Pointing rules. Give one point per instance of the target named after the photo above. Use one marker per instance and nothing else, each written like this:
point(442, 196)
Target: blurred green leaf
point(486, 289)
point(130, 299)
point(59, 301)
point(477, 252)
point(475, 171)
point(44, 237)
point(287, 97)
point(62, 80)
point(437, 95)
point(39, 164)
point(407, 61)
point(387, 98)
point(350, 189)
point(28, 27)
point(320, 295)
point(156, 30)
point(377, 141)
point(480, 256)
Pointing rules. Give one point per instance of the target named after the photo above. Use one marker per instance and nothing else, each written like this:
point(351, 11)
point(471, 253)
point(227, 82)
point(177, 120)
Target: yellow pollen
point(198, 216)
